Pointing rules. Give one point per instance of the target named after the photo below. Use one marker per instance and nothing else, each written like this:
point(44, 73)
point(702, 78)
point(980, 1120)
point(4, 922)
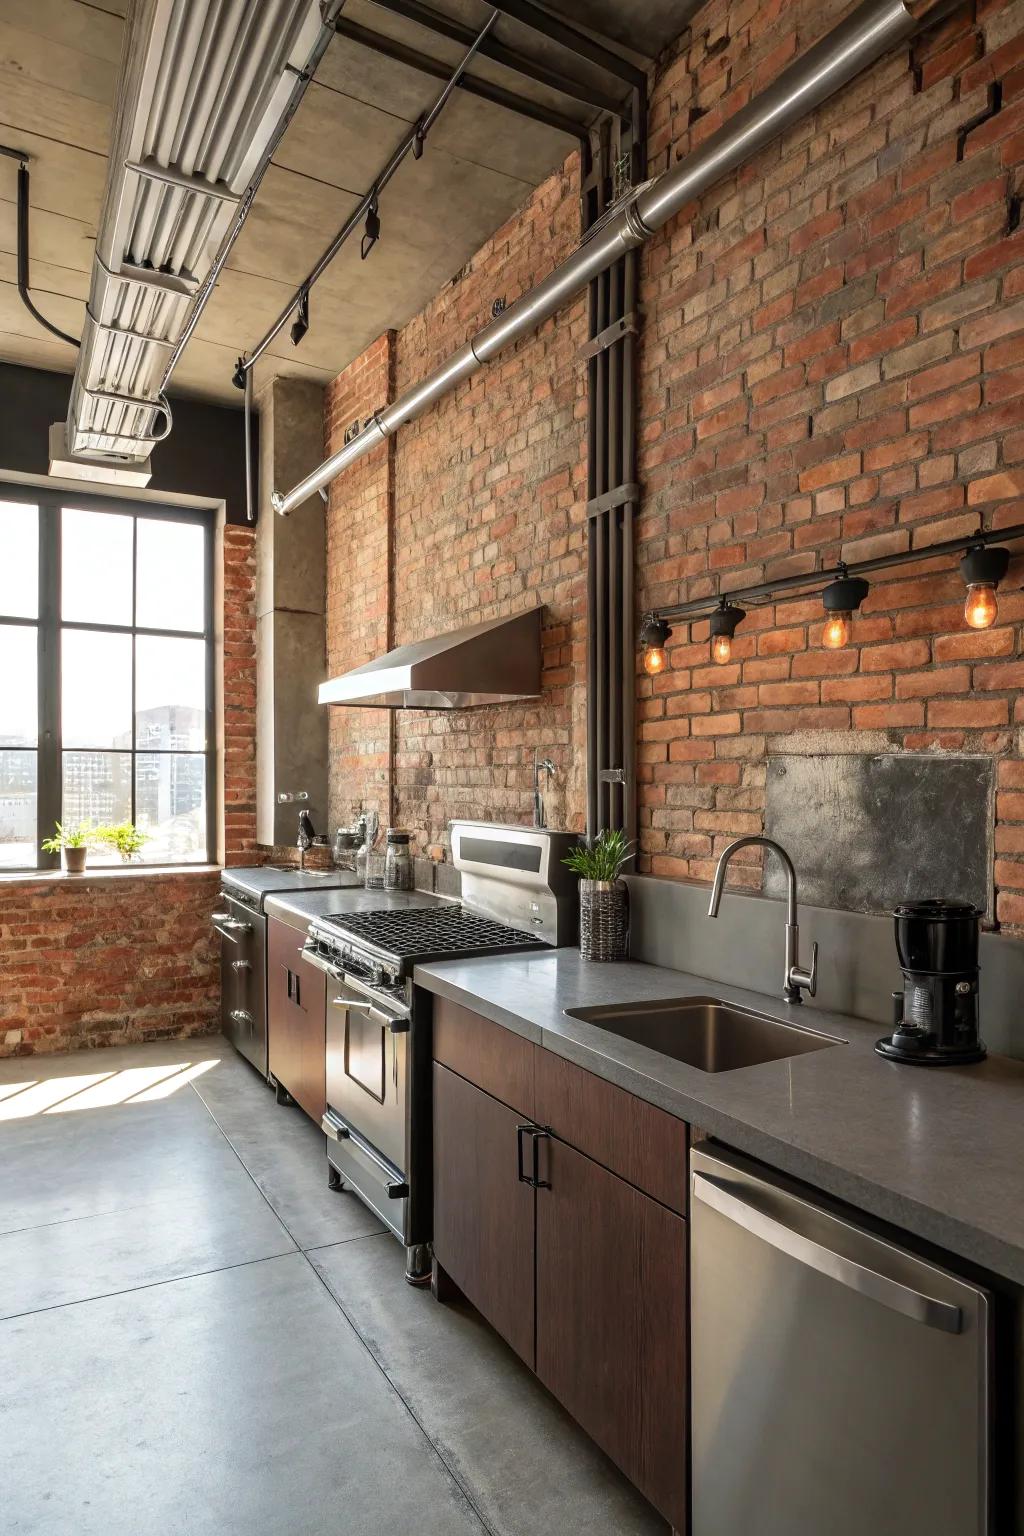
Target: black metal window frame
point(48, 624)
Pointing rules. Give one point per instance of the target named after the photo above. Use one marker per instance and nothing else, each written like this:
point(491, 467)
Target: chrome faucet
point(306, 837)
point(795, 976)
point(542, 765)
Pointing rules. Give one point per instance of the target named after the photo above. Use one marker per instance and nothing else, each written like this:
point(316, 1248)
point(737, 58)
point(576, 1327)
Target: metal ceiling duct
point(491, 663)
point(867, 33)
point(206, 88)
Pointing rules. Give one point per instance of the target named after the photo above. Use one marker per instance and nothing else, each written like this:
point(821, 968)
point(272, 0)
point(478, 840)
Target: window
point(106, 680)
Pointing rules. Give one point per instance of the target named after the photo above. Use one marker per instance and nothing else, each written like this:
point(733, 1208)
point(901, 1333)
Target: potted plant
point(72, 843)
point(125, 836)
point(604, 900)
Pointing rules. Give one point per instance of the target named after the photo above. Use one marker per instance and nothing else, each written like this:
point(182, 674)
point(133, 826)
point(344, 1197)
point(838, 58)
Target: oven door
point(367, 1119)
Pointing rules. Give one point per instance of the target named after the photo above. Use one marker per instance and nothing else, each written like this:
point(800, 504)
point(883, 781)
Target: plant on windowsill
point(604, 899)
point(125, 837)
point(72, 843)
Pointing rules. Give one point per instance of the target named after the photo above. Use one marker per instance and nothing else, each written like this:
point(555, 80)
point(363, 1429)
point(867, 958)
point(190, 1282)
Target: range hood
point(492, 663)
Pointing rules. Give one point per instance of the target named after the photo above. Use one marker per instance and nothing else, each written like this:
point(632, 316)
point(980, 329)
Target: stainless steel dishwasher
point(840, 1384)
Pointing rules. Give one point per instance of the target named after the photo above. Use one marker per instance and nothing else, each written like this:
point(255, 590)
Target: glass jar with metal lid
point(397, 862)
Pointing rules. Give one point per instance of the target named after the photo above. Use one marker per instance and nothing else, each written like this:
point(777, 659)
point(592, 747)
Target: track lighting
point(841, 599)
point(724, 622)
point(982, 569)
point(301, 323)
point(372, 234)
point(653, 637)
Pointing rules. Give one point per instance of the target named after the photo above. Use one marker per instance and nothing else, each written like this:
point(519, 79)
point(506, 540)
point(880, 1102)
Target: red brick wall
point(108, 958)
point(483, 498)
point(832, 366)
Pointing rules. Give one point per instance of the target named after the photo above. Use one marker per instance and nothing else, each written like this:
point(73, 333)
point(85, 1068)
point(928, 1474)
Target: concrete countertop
point(938, 1152)
point(305, 905)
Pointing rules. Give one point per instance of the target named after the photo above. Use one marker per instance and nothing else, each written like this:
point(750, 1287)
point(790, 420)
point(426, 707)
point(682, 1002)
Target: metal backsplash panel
point(868, 832)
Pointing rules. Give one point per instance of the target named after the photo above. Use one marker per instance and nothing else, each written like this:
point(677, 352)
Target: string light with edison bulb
point(840, 600)
point(982, 569)
point(725, 620)
point(653, 639)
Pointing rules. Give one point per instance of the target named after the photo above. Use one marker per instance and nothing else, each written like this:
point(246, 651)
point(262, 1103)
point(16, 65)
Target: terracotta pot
point(74, 860)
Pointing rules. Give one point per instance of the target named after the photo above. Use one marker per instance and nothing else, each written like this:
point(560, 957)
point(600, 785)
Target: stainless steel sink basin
point(705, 1032)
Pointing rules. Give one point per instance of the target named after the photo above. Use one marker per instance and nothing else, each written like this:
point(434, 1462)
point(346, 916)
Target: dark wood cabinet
point(483, 1215)
point(611, 1319)
point(296, 1020)
point(583, 1270)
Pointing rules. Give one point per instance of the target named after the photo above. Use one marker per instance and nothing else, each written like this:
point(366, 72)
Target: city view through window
point(122, 670)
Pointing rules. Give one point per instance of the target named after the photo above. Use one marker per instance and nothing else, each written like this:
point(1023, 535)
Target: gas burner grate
point(415, 933)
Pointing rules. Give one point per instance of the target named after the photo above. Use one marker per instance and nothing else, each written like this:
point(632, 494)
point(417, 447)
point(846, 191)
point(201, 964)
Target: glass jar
point(397, 862)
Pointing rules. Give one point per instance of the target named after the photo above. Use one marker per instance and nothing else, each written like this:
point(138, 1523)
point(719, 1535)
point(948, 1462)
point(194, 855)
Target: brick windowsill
point(104, 873)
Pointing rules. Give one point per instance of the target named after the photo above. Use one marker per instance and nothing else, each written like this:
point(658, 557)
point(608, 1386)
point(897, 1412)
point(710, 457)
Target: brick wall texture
point(105, 959)
point(832, 366)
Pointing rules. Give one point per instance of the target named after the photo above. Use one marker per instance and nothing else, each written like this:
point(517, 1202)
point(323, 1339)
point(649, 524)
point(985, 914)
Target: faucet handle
point(799, 976)
point(812, 975)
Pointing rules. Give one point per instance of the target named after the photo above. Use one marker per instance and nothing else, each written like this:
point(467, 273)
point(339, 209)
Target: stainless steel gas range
point(242, 925)
point(516, 895)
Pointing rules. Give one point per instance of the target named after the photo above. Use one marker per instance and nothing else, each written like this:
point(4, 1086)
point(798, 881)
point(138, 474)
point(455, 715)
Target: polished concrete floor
point(197, 1336)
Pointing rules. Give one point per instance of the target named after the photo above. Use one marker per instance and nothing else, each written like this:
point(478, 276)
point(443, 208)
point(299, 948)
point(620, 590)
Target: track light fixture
point(653, 638)
point(301, 323)
point(725, 620)
point(840, 600)
point(982, 569)
point(372, 234)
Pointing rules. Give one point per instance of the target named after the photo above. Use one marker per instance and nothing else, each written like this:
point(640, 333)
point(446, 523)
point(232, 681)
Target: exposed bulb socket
point(654, 638)
point(724, 623)
point(840, 600)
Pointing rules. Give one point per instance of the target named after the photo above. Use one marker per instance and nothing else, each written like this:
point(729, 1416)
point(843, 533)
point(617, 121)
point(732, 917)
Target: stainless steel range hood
point(491, 663)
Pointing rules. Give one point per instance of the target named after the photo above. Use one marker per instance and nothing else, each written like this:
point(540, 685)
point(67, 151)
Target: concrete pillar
point(291, 653)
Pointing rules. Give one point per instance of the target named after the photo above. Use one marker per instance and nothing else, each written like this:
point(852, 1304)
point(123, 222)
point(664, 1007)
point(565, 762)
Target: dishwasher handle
point(857, 1277)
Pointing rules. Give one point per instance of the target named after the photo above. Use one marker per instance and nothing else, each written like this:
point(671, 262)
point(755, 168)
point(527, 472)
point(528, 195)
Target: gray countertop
point(306, 905)
point(938, 1152)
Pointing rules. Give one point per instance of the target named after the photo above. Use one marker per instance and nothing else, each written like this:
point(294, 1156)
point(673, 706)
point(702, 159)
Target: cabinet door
point(297, 1002)
point(611, 1320)
point(483, 1214)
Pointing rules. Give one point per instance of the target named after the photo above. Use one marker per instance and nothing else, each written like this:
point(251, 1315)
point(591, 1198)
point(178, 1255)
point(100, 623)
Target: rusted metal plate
point(866, 832)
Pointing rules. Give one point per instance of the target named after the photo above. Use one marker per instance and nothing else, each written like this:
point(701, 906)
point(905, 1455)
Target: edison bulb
point(981, 606)
point(837, 631)
point(655, 659)
point(721, 649)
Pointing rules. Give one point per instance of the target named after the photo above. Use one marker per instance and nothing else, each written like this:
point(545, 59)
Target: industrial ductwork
point(870, 31)
point(207, 87)
point(495, 662)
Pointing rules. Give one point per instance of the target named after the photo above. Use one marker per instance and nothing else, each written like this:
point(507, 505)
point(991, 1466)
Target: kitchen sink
point(706, 1033)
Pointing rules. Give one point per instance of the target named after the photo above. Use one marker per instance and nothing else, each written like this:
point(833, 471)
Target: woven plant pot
point(604, 920)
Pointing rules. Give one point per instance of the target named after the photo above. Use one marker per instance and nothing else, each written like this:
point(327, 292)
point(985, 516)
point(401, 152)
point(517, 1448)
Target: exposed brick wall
point(833, 367)
point(107, 958)
point(485, 499)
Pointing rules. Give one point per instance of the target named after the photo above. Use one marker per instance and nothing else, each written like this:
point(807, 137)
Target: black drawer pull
point(536, 1133)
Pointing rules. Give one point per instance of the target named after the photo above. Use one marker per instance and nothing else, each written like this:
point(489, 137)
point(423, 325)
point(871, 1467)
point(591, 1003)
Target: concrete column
point(291, 653)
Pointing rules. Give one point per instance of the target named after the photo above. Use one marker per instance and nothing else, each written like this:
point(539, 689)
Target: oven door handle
point(224, 923)
point(396, 1026)
point(333, 1126)
point(312, 958)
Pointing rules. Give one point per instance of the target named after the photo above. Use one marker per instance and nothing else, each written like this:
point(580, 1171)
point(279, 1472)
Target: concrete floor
point(197, 1336)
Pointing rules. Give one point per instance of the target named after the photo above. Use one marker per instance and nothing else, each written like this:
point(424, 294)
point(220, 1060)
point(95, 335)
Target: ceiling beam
point(468, 83)
point(563, 33)
point(556, 80)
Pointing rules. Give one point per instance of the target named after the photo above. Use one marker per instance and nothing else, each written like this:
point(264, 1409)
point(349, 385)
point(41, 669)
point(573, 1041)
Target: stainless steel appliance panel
point(840, 1384)
point(243, 978)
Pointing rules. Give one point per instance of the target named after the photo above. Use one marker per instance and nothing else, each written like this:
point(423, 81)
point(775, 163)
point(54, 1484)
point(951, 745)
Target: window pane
point(170, 693)
point(97, 788)
point(17, 809)
point(170, 805)
point(171, 575)
point(19, 560)
point(19, 701)
point(96, 689)
point(96, 566)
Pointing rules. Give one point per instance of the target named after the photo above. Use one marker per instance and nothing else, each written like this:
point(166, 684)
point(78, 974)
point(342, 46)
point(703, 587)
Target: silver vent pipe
point(866, 34)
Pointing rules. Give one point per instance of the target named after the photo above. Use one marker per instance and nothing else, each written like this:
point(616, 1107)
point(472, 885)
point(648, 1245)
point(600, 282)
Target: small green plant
point(125, 836)
point(68, 837)
point(600, 858)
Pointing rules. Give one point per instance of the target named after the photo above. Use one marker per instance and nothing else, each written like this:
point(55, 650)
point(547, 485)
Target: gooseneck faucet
point(795, 976)
point(541, 765)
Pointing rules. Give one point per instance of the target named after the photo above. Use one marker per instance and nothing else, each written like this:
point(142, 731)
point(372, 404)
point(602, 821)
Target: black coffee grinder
point(936, 1014)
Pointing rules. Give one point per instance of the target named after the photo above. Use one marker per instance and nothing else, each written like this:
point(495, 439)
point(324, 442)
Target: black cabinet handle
point(536, 1133)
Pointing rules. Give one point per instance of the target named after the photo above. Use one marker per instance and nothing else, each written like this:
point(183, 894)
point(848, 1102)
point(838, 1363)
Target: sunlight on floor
point(97, 1090)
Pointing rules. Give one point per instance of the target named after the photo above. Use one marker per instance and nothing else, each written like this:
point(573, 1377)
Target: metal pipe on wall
point(873, 28)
